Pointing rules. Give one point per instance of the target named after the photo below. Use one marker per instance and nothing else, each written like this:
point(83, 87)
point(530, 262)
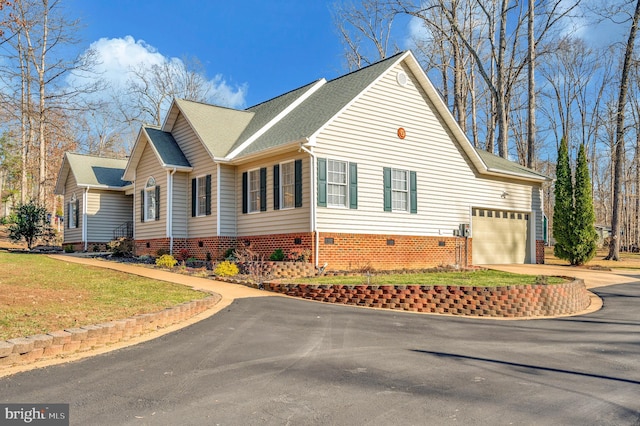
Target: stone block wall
point(525, 301)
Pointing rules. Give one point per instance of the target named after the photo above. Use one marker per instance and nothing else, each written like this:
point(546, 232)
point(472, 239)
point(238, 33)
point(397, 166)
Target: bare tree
point(365, 31)
point(614, 247)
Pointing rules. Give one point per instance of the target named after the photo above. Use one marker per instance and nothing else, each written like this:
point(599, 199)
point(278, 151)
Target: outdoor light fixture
point(505, 194)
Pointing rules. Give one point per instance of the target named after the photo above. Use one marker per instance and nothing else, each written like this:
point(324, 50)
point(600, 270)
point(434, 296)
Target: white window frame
point(150, 202)
point(72, 211)
point(287, 189)
point(400, 195)
point(253, 194)
point(333, 185)
point(201, 195)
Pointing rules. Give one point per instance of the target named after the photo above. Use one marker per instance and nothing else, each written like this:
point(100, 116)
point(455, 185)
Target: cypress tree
point(585, 236)
point(563, 210)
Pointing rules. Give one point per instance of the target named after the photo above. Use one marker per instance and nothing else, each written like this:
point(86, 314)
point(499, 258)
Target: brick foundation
point(392, 252)
point(540, 252)
point(508, 302)
point(24, 350)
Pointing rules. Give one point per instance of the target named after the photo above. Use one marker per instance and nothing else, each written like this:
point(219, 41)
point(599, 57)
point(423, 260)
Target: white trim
point(346, 184)
point(197, 211)
point(218, 200)
point(281, 186)
point(84, 219)
point(277, 118)
point(313, 195)
point(248, 194)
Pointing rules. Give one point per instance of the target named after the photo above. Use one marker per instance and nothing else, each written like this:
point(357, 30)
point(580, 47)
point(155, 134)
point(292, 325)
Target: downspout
point(314, 220)
point(218, 214)
point(170, 208)
point(84, 219)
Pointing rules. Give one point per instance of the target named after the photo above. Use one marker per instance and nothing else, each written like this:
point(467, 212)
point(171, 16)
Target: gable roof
point(296, 117)
point(164, 146)
point(92, 171)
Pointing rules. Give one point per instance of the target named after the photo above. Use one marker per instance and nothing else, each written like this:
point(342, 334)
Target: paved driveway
point(284, 361)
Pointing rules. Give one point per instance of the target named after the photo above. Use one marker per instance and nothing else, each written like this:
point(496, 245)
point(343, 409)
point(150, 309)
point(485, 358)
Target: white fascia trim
point(135, 157)
point(218, 199)
point(264, 153)
point(277, 118)
point(503, 173)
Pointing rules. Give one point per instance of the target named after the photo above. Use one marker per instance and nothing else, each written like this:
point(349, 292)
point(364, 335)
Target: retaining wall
point(508, 302)
point(43, 346)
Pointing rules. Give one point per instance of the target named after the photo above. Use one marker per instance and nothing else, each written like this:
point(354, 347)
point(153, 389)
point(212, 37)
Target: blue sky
point(261, 48)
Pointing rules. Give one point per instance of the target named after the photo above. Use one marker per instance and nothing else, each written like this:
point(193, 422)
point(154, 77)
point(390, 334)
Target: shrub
point(183, 255)
point(146, 258)
point(68, 248)
point(277, 255)
point(208, 257)
point(166, 261)
point(229, 254)
point(226, 269)
point(30, 223)
point(299, 255)
point(161, 252)
point(121, 247)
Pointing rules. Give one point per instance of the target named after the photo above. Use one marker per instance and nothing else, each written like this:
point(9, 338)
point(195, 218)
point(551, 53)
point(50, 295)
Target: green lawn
point(468, 278)
point(39, 294)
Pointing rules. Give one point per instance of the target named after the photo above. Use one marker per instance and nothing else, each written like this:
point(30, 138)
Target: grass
point(39, 294)
point(627, 260)
point(481, 278)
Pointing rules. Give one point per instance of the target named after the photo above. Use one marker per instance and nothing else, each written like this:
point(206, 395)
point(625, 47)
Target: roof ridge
point(284, 94)
point(102, 157)
point(388, 58)
point(208, 104)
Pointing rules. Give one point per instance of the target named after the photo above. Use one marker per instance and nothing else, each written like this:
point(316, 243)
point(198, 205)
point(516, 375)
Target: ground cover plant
point(480, 278)
point(39, 294)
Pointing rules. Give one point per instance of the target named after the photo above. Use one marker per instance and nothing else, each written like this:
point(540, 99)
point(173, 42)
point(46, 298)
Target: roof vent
point(402, 78)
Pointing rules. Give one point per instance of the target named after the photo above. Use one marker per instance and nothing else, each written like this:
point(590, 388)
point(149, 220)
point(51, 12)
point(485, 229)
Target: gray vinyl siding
point(72, 235)
point(181, 206)
point(200, 160)
point(447, 186)
point(147, 167)
point(106, 210)
point(228, 205)
point(274, 221)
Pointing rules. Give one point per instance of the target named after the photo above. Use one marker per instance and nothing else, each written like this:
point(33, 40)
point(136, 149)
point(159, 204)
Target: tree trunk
point(531, 123)
point(614, 247)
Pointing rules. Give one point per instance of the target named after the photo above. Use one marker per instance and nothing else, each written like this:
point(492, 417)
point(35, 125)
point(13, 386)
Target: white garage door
point(500, 236)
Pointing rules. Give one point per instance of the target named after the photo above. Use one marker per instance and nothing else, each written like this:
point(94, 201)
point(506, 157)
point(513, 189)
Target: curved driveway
point(280, 361)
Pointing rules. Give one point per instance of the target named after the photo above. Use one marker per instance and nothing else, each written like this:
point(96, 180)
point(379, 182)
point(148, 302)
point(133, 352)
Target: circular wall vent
point(402, 78)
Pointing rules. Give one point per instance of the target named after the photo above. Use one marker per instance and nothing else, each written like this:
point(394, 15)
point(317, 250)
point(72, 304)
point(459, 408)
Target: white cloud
point(117, 56)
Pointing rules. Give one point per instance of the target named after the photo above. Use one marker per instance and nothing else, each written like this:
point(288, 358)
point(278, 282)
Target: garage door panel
point(500, 237)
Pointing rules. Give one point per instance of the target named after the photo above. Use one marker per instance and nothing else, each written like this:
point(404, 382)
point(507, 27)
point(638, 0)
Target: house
point(367, 170)
point(97, 202)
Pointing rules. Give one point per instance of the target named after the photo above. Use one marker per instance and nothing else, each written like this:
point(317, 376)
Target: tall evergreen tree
point(584, 235)
point(563, 210)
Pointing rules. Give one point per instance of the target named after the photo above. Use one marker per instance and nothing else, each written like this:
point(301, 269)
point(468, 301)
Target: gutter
point(170, 208)
point(314, 219)
point(84, 219)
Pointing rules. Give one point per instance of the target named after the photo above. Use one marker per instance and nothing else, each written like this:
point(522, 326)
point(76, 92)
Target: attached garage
point(500, 236)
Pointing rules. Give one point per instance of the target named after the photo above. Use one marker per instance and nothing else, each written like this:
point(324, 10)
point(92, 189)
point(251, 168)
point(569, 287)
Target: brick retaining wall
point(24, 350)
point(508, 302)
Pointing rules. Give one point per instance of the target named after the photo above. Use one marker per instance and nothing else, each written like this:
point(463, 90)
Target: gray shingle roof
point(167, 147)
point(315, 111)
point(97, 171)
point(496, 163)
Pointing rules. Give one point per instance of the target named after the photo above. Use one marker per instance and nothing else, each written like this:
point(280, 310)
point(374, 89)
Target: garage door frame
point(529, 243)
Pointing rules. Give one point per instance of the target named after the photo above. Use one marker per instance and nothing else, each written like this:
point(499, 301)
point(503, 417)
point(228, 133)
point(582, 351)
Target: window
point(150, 198)
point(288, 185)
point(399, 190)
point(254, 191)
point(336, 183)
point(73, 212)
point(201, 196)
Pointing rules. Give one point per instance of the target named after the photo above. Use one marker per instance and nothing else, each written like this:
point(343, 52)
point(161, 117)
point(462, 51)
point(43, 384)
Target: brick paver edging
point(25, 350)
point(516, 301)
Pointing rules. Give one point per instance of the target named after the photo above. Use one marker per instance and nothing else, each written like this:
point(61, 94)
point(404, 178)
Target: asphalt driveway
point(284, 361)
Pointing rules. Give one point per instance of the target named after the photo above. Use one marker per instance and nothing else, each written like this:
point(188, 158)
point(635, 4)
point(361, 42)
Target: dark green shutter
point(157, 202)
point(413, 192)
point(78, 212)
point(194, 195)
point(276, 187)
point(322, 182)
point(353, 185)
point(245, 190)
point(387, 189)
point(298, 180)
point(208, 195)
point(142, 206)
point(263, 189)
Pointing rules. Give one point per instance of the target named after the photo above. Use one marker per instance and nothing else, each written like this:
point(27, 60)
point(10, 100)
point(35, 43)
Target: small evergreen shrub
point(166, 261)
point(121, 247)
point(277, 255)
point(226, 269)
point(68, 248)
point(161, 252)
